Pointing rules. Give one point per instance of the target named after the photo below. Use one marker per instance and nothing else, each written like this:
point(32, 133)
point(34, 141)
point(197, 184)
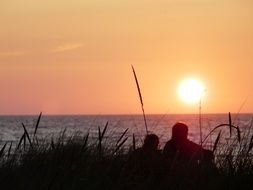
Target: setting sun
point(190, 90)
point(74, 57)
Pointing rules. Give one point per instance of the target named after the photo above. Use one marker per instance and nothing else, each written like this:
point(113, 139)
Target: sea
point(50, 126)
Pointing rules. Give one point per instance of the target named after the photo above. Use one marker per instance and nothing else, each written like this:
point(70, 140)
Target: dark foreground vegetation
point(77, 162)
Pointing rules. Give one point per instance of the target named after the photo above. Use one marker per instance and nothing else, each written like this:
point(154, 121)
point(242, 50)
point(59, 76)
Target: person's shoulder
point(168, 148)
point(193, 145)
point(169, 142)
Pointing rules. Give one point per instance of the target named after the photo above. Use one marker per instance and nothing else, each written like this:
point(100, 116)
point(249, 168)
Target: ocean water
point(50, 126)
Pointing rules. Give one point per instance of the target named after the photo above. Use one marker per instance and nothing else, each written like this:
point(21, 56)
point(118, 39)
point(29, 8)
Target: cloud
point(12, 54)
point(67, 47)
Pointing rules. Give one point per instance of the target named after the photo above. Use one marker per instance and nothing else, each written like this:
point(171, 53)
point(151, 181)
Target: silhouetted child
point(145, 166)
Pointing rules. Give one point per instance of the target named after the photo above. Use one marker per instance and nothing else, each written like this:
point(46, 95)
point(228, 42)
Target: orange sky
point(74, 57)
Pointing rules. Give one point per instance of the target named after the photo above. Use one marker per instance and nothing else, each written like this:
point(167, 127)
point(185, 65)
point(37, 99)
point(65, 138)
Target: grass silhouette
point(77, 162)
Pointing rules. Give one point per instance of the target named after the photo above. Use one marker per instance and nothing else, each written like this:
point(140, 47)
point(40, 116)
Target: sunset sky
point(75, 57)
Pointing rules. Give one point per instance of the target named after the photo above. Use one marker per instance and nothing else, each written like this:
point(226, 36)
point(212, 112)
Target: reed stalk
point(141, 100)
point(200, 123)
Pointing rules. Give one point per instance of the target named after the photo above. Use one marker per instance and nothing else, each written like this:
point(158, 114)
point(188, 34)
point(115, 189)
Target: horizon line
point(123, 114)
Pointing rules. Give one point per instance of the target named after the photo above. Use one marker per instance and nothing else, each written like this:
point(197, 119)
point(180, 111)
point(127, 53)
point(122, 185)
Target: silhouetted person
point(182, 149)
point(189, 164)
point(145, 166)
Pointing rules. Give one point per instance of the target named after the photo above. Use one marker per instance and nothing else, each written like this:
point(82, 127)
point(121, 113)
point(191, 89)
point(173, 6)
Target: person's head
point(180, 131)
point(151, 142)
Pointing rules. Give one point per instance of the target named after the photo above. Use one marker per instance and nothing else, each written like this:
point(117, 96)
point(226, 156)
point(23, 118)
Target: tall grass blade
point(85, 142)
point(123, 134)
point(200, 123)
point(238, 134)
point(250, 144)
point(20, 141)
point(230, 124)
point(216, 142)
point(52, 144)
point(9, 151)
point(27, 135)
point(24, 143)
point(2, 150)
point(99, 141)
point(240, 108)
point(138, 86)
point(141, 100)
point(37, 124)
point(62, 136)
point(99, 134)
point(104, 130)
point(217, 127)
point(120, 145)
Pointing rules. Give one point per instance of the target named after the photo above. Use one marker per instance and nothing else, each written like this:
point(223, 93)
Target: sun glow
point(191, 90)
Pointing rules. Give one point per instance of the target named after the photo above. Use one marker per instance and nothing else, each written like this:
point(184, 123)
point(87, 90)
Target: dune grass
point(77, 162)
